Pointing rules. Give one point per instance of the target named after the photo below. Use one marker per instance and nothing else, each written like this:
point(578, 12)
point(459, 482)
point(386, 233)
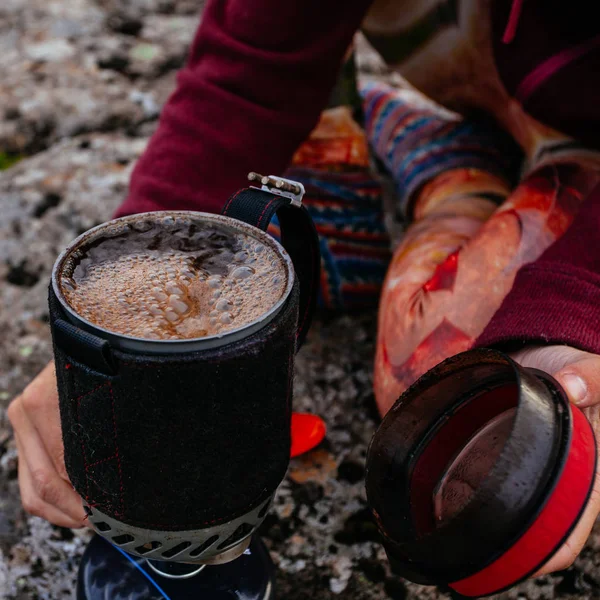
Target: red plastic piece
point(308, 432)
point(545, 535)
point(444, 275)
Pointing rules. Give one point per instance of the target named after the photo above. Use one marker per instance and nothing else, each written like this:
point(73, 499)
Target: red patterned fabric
point(258, 76)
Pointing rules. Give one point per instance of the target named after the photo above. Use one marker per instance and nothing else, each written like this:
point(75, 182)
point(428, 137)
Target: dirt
point(82, 83)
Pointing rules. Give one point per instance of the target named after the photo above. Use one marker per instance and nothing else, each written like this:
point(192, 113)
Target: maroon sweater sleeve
point(258, 75)
point(556, 300)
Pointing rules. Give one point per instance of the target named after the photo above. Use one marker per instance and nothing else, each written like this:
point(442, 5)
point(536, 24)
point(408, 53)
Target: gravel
point(82, 83)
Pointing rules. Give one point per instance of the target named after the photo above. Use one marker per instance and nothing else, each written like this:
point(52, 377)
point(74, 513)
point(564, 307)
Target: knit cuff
point(550, 303)
point(416, 141)
point(346, 208)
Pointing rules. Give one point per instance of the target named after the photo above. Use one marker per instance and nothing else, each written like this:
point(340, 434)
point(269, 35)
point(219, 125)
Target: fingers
point(548, 358)
point(569, 551)
point(578, 372)
point(34, 490)
point(39, 402)
point(45, 488)
point(581, 380)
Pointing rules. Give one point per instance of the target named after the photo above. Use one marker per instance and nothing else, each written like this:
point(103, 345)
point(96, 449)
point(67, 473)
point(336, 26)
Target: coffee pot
point(178, 446)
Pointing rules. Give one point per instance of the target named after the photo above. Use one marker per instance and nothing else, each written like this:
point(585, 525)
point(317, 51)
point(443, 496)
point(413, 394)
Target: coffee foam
point(173, 278)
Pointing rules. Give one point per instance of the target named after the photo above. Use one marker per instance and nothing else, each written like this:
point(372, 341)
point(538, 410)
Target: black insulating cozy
point(176, 441)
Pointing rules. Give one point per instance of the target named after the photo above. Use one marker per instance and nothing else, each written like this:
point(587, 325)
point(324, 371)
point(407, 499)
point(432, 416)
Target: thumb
point(581, 381)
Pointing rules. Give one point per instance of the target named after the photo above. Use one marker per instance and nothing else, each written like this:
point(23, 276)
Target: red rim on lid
point(478, 473)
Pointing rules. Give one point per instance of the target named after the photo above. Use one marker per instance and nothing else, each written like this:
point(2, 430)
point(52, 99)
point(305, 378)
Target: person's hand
point(45, 487)
point(579, 374)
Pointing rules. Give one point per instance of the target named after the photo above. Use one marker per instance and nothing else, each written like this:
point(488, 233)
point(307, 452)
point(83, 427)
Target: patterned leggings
point(467, 229)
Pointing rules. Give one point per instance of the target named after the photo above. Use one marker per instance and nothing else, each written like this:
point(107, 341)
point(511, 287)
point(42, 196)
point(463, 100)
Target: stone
point(315, 466)
point(68, 68)
point(82, 83)
point(50, 51)
point(145, 52)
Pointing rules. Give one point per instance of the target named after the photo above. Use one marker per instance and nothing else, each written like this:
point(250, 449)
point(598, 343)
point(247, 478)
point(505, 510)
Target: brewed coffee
point(172, 277)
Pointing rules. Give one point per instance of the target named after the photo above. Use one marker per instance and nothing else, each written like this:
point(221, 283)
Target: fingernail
point(575, 387)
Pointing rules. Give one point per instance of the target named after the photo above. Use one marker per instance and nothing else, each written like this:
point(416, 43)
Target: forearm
point(556, 300)
point(258, 75)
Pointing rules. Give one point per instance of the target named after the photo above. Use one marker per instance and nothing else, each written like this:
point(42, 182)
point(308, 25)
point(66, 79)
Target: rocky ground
point(81, 86)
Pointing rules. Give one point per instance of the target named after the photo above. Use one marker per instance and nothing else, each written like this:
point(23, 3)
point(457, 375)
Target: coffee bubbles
point(173, 278)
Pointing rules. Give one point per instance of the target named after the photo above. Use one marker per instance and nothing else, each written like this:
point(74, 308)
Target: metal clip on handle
point(280, 186)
